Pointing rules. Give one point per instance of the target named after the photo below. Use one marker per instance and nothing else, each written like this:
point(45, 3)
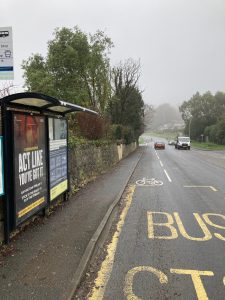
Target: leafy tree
point(75, 69)
point(202, 111)
point(221, 130)
point(37, 77)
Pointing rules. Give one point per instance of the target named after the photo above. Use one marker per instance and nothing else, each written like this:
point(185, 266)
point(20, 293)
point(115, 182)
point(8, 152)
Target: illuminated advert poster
point(58, 157)
point(30, 184)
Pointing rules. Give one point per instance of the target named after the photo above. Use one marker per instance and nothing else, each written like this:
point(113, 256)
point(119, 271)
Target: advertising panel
point(1, 168)
point(30, 179)
point(58, 157)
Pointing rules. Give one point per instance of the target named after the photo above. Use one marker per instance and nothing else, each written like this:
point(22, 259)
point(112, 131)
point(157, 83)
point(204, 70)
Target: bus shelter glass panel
point(30, 177)
point(58, 157)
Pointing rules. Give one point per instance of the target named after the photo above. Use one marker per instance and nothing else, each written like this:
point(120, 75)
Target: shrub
point(90, 126)
point(115, 132)
point(128, 135)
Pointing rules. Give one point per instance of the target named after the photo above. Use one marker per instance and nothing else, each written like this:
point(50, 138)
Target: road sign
point(6, 54)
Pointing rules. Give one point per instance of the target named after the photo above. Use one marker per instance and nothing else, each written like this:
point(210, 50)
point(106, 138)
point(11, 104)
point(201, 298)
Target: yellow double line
point(107, 265)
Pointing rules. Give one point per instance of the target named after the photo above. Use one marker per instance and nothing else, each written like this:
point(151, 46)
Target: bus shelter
point(35, 154)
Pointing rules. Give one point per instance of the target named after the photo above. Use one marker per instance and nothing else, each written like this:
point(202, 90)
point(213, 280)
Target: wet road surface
point(170, 239)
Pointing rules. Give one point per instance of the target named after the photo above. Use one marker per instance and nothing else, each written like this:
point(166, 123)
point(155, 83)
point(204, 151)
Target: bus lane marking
point(173, 226)
point(106, 268)
point(163, 279)
point(129, 278)
point(196, 279)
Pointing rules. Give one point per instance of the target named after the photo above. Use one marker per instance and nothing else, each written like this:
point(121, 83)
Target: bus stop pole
point(5, 126)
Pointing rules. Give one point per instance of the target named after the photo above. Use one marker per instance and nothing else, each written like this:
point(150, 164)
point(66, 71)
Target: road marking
point(107, 265)
point(207, 235)
point(128, 290)
point(149, 182)
point(167, 175)
point(196, 279)
point(161, 163)
point(207, 219)
point(201, 186)
point(167, 229)
point(168, 224)
point(163, 279)
point(156, 154)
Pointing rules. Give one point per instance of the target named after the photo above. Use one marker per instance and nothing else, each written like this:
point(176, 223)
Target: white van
point(183, 142)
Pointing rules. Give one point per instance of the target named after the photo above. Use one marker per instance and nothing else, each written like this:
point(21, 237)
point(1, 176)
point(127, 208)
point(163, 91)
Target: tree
point(126, 106)
point(203, 111)
point(37, 76)
point(221, 130)
point(75, 69)
point(6, 89)
point(148, 116)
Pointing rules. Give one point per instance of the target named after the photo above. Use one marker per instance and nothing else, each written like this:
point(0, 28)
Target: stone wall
point(88, 161)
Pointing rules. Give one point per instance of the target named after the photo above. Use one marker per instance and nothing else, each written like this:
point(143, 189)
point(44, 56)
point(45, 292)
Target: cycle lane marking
point(146, 182)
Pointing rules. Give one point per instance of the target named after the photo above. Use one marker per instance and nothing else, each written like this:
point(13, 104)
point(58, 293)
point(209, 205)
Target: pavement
point(48, 258)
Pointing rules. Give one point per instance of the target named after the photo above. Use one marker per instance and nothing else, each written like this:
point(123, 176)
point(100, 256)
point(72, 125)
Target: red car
point(159, 145)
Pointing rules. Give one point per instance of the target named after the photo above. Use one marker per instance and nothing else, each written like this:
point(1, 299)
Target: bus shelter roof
point(43, 103)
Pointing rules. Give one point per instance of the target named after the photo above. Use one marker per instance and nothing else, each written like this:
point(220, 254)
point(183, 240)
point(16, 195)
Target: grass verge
point(207, 146)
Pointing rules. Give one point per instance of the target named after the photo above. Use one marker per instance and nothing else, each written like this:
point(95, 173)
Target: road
point(170, 240)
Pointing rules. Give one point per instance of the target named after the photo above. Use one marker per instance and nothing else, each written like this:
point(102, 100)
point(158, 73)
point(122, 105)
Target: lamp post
point(189, 128)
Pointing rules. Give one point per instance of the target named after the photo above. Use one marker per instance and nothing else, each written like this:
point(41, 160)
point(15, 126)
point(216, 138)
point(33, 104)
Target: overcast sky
point(180, 43)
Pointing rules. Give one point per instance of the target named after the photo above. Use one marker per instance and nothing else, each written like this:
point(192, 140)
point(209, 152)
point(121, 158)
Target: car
point(171, 142)
point(159, 145)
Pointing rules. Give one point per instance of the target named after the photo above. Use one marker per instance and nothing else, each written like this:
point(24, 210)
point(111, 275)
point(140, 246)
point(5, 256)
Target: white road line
point(201, 186)
point(156, 154)
point(167, 176)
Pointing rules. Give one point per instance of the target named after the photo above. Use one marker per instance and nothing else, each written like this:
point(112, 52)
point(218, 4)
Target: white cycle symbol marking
point(149, 182)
